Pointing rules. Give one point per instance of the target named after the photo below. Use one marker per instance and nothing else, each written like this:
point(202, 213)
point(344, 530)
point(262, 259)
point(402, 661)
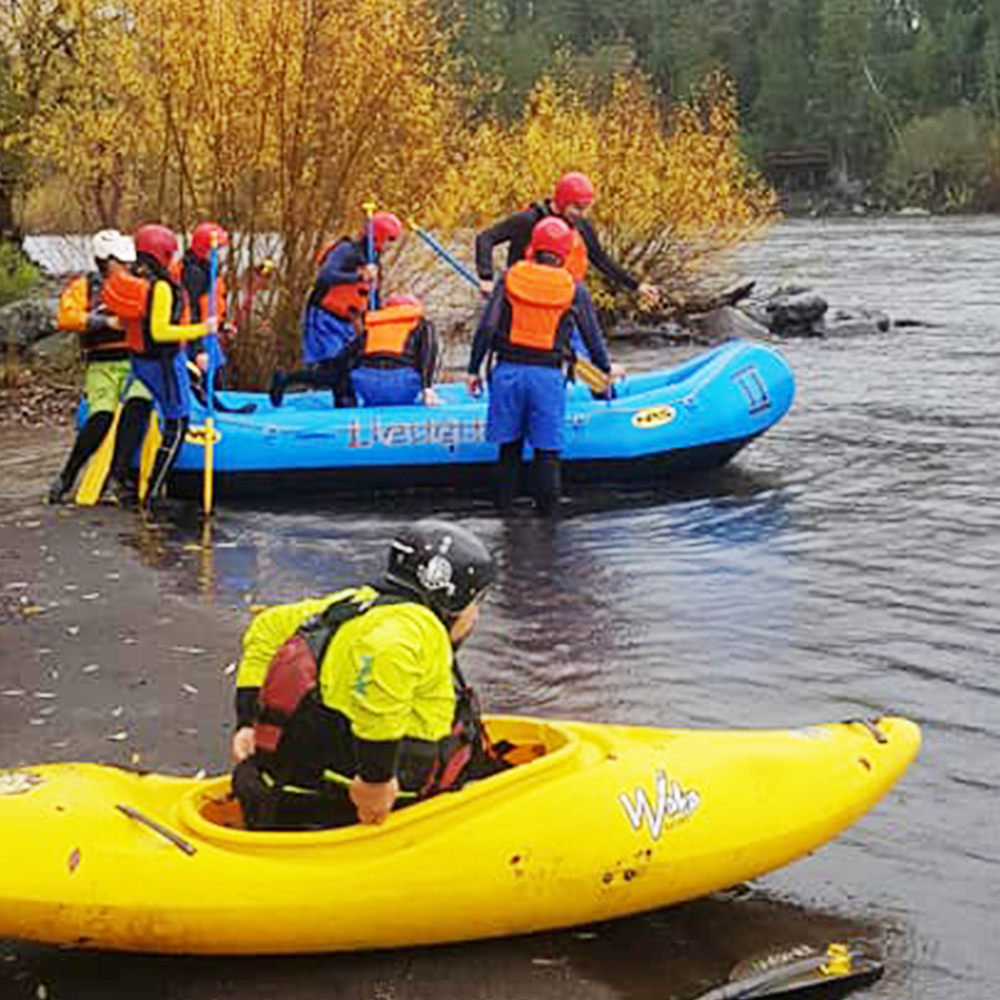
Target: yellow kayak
point(596, 822)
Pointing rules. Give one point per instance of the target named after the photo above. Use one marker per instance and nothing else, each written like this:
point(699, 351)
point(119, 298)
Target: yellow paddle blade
point(150, 446)
point(592, 376)
point(94, 476)
point(208, 481)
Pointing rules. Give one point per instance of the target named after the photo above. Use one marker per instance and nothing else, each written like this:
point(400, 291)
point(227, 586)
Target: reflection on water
point(846, 564)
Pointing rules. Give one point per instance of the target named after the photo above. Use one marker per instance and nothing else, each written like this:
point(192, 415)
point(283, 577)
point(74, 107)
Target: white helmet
point(111, 243)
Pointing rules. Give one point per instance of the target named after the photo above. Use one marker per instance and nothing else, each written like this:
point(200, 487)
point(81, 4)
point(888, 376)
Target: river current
point(845, 564)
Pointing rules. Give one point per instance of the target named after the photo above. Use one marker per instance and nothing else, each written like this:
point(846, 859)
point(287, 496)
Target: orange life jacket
point(188, 312)
point(74, 305)
point(539, 297)
point(127, 296)
point(130, 298)
point(577, 261)
point(220, 301)
point(390, 334)
point(344, 301)
point(98, 342)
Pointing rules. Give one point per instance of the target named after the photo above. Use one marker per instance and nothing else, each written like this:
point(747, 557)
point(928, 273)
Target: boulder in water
point(796, 312)
point(858, 321)
point(727, 322)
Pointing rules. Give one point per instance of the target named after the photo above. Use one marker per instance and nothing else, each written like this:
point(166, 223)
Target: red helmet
point(573, 189)
point(403, 300)
point(385, 228)
point(551, 235)
point(201, 238)
point(156, 241)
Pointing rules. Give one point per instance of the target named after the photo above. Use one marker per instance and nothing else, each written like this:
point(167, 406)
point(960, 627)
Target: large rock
point(795, 312)
point(726, 323)
point(24, 323)
point(858, 321)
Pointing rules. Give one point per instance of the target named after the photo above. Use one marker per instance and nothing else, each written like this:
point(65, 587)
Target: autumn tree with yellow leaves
point(672, 192)
point(279, 118)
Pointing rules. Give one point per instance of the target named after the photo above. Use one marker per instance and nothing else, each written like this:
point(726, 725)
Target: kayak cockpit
point(533, 746)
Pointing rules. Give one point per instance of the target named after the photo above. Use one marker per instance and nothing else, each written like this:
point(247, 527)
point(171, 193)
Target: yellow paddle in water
point(96, 472)
point(150, 446)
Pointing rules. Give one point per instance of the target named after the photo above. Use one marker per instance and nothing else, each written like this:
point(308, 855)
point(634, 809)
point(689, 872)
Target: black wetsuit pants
point(546, 478)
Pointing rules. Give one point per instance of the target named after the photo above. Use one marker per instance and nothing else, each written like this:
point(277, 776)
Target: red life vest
point(391, 335)
point(539, 297)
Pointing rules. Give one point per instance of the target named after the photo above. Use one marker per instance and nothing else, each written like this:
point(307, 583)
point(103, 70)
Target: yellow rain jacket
point(389, 670)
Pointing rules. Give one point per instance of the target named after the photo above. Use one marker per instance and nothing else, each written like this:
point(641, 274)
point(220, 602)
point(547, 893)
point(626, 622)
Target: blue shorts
point(527, 401)
point(386, 386)
point(168, 382)
point(324, 336)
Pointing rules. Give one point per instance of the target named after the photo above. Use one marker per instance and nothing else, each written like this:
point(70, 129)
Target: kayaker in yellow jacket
point(352, 703)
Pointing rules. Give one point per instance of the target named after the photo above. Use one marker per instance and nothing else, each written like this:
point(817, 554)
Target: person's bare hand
point(474, 384)
point(374, 800)
point(243, 743)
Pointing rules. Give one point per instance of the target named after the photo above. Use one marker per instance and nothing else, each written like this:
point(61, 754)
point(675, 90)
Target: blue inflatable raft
point(695, 416)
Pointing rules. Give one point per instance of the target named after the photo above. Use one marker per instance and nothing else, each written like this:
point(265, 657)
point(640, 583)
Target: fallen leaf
point(119, 736)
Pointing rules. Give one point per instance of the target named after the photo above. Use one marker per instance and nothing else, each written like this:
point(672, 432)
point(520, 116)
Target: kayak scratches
point(447, 433)
point(671, 805)
point(16, 782)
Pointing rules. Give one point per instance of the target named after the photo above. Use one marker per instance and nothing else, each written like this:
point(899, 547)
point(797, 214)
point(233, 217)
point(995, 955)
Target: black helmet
point(443, 563)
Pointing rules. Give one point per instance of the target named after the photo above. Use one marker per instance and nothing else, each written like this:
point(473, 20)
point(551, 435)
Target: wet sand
point(101, 659)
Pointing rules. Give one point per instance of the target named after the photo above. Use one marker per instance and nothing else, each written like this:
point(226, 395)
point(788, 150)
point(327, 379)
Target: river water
point(846, 564)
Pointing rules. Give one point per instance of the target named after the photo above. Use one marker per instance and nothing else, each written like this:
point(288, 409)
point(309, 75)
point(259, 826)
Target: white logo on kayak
point(671, 803)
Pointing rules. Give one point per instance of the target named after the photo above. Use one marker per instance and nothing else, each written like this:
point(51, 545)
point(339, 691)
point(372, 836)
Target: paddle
point(150, 446)
point(464, 271)
point(212, 349)
point(799, 969)
point(369, 207)
point(96, 473)
point(586, 371)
